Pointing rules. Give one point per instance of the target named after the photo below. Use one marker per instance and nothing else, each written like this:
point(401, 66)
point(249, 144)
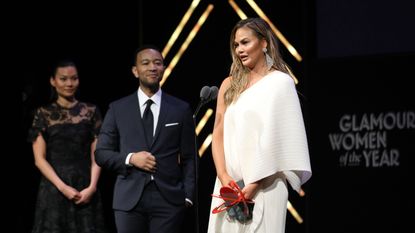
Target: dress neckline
point(264, 77)
point(63, 107)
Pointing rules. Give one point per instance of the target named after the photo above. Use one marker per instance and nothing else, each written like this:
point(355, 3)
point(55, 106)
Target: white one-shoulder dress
point(264, 139)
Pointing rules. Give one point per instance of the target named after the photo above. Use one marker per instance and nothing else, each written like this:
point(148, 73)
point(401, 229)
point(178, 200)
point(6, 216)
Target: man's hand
point(144, 160)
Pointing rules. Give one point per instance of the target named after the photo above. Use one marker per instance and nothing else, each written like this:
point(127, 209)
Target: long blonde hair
point(238, 72)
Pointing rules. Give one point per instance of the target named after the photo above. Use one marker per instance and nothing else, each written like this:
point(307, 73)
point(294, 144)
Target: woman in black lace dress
point(64, 137)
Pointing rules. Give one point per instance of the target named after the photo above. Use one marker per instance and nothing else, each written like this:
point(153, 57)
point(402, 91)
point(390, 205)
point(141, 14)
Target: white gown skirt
point(269, 214)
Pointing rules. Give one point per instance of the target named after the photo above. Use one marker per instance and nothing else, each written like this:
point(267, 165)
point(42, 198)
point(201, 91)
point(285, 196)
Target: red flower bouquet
point(235, 204)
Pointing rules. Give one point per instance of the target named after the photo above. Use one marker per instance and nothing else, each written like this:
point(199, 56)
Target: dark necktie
point(148, 122)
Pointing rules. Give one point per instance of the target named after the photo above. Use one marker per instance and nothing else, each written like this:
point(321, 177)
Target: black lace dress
point(68, 134)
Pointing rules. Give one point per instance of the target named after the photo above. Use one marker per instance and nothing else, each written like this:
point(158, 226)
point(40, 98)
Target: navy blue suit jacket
point(173, 146)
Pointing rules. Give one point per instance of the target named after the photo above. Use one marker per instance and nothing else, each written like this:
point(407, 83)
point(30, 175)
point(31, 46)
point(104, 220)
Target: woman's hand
point(250, 190)
point(225, 179)
point(70, 193)
point(86, 195)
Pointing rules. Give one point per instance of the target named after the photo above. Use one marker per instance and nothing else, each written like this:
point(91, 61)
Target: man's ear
point(134, 70)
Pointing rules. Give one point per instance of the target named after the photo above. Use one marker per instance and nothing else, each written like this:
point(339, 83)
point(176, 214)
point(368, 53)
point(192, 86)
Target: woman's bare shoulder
point(226, 83)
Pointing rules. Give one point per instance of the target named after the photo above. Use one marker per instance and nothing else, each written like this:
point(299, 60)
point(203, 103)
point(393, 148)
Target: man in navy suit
point(155, 174)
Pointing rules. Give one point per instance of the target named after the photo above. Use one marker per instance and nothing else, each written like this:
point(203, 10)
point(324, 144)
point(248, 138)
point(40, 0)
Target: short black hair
point(143, 47)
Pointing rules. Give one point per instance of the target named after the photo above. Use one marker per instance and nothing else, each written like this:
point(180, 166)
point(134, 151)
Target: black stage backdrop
point(362, 116)
point(354, 88)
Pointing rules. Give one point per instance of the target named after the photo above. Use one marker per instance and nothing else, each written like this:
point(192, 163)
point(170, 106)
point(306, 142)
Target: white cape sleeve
point(276, 133)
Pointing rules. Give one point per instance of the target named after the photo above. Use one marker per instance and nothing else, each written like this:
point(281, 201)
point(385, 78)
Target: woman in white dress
point(259, 135)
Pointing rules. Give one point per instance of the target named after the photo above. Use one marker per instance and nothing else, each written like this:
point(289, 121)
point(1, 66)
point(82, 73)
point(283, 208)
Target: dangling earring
point(268, 59)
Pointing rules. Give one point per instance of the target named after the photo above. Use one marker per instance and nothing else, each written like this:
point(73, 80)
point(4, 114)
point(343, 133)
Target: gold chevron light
point(186, 43)
point(292, 74)
point(203, 121)
point(280, 36)
point(237, 9)
point(205, 145)
point(294, 212)
point(180, 27)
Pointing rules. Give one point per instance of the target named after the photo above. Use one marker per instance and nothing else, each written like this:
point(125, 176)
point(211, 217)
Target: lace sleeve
point(96, 121)
point(38, 126)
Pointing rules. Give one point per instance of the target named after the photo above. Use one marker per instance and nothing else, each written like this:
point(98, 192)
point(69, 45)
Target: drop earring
point(268, 59)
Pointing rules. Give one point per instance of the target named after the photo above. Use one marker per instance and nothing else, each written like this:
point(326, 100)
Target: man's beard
point(152, 86)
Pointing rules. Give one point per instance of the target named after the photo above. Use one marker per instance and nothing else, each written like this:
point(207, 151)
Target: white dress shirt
point(155, 109)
